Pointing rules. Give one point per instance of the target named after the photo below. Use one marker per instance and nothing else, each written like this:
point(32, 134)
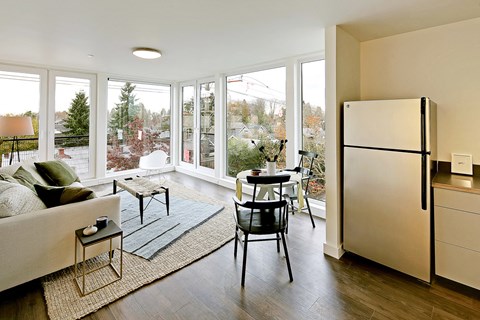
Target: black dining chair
point(305, 168)
point(262, 217)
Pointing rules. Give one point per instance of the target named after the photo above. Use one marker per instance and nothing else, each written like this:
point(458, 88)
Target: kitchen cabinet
point(457, 234)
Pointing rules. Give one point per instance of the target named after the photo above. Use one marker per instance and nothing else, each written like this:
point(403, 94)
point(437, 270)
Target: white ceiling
point(199, 37)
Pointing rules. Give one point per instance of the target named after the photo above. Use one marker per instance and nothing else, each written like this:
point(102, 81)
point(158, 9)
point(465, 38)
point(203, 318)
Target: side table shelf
point(108, 233)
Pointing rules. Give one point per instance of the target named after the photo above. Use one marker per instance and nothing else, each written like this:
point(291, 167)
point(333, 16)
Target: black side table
point(108, 233)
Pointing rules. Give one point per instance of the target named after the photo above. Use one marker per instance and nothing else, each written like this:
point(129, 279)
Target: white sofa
point(40, 242)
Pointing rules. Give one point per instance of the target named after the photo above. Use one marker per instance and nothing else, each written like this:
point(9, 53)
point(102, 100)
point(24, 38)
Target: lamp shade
point(16, 126)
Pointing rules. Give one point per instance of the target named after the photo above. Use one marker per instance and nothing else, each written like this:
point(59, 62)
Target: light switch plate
point(462, 163)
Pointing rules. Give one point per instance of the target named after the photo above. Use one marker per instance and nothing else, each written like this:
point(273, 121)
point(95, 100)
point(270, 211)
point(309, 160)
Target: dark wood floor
point(323, 287)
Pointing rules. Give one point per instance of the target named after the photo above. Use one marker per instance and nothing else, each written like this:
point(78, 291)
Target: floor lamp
point(15, 127)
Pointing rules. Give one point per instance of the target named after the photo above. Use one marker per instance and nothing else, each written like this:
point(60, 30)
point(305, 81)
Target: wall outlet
point(462, 163)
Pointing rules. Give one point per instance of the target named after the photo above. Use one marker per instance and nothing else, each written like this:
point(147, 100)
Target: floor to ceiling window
point(255, 117)
point(207, 125)
point(188, 111)
point(139, 122)
point(20, 92)
point(74, 129)
point(198, 126)
point(313, 121)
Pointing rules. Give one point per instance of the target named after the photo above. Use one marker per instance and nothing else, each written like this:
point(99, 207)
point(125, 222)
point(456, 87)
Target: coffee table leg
point(167, 201)
point(140, 200)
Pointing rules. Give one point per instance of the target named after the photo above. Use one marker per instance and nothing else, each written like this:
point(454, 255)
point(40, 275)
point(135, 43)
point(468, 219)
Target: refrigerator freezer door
point(389, 124)
point(383, 216)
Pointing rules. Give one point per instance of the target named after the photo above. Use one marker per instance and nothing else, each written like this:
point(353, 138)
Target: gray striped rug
point(159, 230)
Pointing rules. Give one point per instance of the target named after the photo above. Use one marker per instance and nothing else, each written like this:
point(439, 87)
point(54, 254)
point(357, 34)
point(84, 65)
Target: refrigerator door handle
point(424, 181)
point(423, 124)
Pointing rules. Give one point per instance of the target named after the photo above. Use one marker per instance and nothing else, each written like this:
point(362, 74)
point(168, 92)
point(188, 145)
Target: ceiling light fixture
point(147, 53)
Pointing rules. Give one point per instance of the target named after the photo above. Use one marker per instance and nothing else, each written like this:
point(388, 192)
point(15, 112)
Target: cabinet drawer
point(458, 264)
point(457, 227)
point(457, 200)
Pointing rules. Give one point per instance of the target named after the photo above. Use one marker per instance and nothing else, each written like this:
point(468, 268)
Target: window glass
point(313, 115)
point(255, 118)
point(72, 123)
point(207, 125)
point(139, 119)
point(20, 94)
point(188, 111)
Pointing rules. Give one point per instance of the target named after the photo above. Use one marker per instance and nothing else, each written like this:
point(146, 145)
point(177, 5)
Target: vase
point(271, 168)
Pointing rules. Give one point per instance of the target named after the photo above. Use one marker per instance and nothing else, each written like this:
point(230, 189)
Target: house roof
point(199, 38)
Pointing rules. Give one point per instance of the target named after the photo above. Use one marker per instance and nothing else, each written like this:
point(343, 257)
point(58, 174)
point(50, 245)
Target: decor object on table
point(255, 172)
point(271, 149)
point(101, 222)
point(14, 127)
point(89, 230)
point(64, 301)
point(271, 168)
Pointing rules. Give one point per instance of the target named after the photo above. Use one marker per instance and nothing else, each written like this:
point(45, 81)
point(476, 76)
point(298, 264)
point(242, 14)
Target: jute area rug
point(63, 297)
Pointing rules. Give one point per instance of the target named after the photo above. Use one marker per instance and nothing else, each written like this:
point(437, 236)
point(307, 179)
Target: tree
point(125, 111)
point(78, 115)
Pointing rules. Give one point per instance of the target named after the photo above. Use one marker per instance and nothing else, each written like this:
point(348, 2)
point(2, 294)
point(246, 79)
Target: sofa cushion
point(7, 177)
point(27, 164)
point(17, 199)
point(57, 172)
point(57, 196)
point(25, 178)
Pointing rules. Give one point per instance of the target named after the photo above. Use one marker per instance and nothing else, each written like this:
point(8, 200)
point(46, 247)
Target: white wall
point(442, 63)
point(342, 71)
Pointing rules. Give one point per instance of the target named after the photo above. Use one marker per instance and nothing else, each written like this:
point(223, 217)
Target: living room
point(375, 54)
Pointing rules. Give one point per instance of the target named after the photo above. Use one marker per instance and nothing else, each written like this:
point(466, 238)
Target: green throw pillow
point(57, 196)
point(57, 172)
point(25, 178)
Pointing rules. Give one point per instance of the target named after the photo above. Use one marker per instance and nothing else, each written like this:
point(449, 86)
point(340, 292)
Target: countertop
point(457, 182)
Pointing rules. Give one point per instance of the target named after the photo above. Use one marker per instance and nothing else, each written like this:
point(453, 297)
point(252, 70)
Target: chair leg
point(236, 243)
point(310, 211)
point(278, 242)
point(286, 256)
point(244, 265)
point(286, 216)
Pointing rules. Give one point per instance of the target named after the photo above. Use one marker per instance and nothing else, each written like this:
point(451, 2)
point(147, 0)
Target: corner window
point(139, 122)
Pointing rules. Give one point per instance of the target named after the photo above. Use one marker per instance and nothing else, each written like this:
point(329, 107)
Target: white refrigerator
point(389, 153)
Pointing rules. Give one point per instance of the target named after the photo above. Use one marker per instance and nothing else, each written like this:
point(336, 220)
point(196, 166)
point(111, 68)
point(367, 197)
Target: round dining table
point(295, 180)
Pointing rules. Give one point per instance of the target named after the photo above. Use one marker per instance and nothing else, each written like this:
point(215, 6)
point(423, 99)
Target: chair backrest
point(153, 161)
point(305, 167)
point(266, 180)
point(265, 216)
point(307, 156)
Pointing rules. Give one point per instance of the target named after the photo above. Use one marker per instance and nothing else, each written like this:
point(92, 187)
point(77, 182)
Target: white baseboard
point(335, 252)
